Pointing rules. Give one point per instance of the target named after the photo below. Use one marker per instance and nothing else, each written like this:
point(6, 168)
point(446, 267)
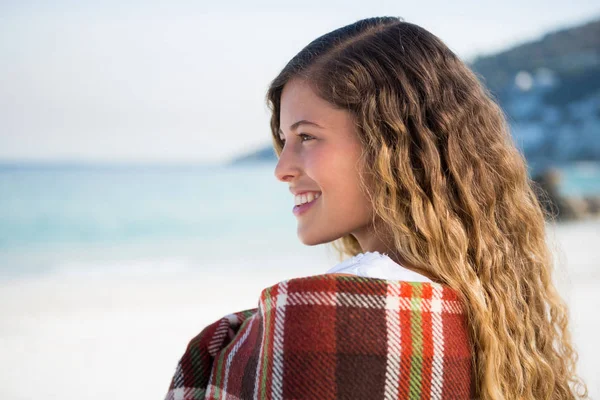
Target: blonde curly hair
point(442, 172)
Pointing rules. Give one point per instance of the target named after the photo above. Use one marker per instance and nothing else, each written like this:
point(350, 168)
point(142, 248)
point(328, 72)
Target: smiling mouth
point(302, 208)
point(306, 198)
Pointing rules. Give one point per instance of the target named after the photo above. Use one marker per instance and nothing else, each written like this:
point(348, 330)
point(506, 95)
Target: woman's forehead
point(300, 102)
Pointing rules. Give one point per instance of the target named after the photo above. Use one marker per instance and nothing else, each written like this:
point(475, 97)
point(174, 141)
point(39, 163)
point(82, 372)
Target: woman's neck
point(371, 242)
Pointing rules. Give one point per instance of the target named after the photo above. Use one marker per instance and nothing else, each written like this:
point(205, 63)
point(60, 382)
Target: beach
point(92, 336)
point(157, 162)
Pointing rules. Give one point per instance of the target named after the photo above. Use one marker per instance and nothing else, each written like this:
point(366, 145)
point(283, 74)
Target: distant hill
point(550, 92)
point(261, 155)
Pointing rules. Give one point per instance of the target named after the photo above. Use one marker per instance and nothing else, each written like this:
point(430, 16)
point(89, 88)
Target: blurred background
point(137, 195)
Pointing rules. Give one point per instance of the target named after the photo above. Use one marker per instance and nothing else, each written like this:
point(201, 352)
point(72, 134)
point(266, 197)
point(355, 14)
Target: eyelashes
point(304, 137)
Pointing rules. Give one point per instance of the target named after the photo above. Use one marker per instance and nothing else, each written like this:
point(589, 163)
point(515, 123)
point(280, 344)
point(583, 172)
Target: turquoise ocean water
point(75, 219)
point(144, 220)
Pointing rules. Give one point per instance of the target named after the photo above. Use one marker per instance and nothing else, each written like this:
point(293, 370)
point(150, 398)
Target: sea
point(144, 220)
point(152, 220)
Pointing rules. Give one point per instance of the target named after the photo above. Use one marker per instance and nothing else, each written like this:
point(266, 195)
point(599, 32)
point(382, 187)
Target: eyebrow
point(295, 125)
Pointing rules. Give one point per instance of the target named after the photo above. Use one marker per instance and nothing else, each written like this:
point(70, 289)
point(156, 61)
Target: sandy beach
point(94, 337)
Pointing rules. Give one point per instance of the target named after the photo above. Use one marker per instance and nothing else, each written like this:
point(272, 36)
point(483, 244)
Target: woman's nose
point(287, 167)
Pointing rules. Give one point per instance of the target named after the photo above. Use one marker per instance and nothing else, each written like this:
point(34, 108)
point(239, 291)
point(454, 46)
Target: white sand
point(94, 338)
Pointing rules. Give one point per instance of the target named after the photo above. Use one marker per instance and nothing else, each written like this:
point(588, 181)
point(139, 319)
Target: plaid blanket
point(333, 337)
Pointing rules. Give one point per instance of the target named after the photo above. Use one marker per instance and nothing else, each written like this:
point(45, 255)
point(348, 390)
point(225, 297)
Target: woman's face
point(320, 160)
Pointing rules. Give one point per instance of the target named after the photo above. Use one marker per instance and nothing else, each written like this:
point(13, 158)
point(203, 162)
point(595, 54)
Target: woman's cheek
point(317, 163)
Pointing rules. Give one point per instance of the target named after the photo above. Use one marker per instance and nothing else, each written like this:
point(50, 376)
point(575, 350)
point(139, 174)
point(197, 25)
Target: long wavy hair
point(442, 172)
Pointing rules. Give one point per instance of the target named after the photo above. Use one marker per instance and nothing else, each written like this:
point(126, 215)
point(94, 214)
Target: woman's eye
point(304, 137)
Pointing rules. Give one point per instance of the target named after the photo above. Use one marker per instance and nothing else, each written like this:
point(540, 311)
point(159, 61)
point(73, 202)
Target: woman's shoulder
point(333, 293)
point(330, 296)
point(350, 326)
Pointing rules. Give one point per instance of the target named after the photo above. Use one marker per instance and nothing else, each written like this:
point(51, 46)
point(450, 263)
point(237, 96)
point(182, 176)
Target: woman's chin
point(314, 237)
point(309, 238)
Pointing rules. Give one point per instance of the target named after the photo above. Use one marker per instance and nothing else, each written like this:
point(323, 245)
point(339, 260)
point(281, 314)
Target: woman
point(395, 151)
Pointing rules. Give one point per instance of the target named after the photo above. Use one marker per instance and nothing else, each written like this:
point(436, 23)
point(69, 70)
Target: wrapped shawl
point(334, 337)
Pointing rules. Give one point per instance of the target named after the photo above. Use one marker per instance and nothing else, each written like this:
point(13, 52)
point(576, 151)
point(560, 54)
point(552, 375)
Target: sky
point(179, 82)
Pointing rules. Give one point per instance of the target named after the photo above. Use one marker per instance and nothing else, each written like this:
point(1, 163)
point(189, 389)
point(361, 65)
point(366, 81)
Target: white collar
point(376, 265)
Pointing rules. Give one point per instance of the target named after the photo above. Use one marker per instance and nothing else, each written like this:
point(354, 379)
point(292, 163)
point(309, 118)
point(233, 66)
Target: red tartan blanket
point(333, 337)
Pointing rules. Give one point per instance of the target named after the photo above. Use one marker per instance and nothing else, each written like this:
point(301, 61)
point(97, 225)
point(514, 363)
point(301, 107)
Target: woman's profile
point(396, 154)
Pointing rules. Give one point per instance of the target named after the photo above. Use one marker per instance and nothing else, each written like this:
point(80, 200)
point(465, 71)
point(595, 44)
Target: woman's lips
point(303, 208)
